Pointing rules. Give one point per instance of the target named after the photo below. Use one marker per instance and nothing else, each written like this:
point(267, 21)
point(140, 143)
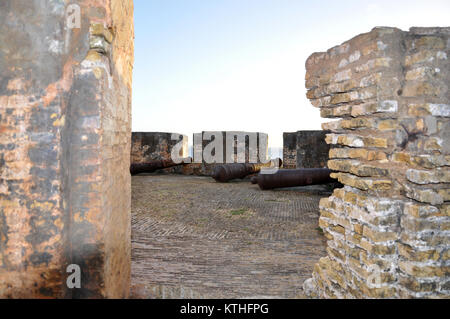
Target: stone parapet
point(305, 149)
point(388, 229)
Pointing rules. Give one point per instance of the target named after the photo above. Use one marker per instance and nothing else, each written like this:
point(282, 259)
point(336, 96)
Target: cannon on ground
point(152, 166)
point(226, 172)
point(293, 177)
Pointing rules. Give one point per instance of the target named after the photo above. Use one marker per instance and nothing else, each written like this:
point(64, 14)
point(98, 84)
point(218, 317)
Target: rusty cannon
point(226, 172)
point(293, 177)
point(152, 166)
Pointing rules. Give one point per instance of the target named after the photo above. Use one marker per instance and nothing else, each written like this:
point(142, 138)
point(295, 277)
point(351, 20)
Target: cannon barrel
point(226, 172)
point(293, 177)
point(152, 166)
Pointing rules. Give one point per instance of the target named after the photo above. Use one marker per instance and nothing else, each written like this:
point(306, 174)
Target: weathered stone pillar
point(388, 229)
point(65, 109)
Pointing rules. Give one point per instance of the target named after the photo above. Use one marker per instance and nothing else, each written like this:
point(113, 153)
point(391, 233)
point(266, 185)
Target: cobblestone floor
point(195, 238)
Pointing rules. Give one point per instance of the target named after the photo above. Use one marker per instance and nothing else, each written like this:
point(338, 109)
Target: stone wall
point(290, 150)
point(207, 168)
point(65, 104)
point(305, 149)
point(147, 146)
point(201, 168)
point(388, 229)
point(227, 146)
point(156, 145)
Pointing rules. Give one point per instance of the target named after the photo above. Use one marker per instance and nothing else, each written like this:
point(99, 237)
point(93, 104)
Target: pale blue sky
point(239, 64)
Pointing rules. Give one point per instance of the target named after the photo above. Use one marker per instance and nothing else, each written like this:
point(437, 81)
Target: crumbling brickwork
point(65, 109)
point(388, 228)
point(305, 149)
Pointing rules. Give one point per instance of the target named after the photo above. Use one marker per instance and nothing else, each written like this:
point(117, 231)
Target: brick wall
point(65, 103)
point(147, 146)
point(305, 149)
point(388, 228)
point(290, 150)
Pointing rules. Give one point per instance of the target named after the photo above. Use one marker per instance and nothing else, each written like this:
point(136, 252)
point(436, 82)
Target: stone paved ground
point(195, 238)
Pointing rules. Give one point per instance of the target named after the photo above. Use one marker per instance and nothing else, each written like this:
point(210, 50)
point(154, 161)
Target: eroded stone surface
point(65, 104)
point(388, 229)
